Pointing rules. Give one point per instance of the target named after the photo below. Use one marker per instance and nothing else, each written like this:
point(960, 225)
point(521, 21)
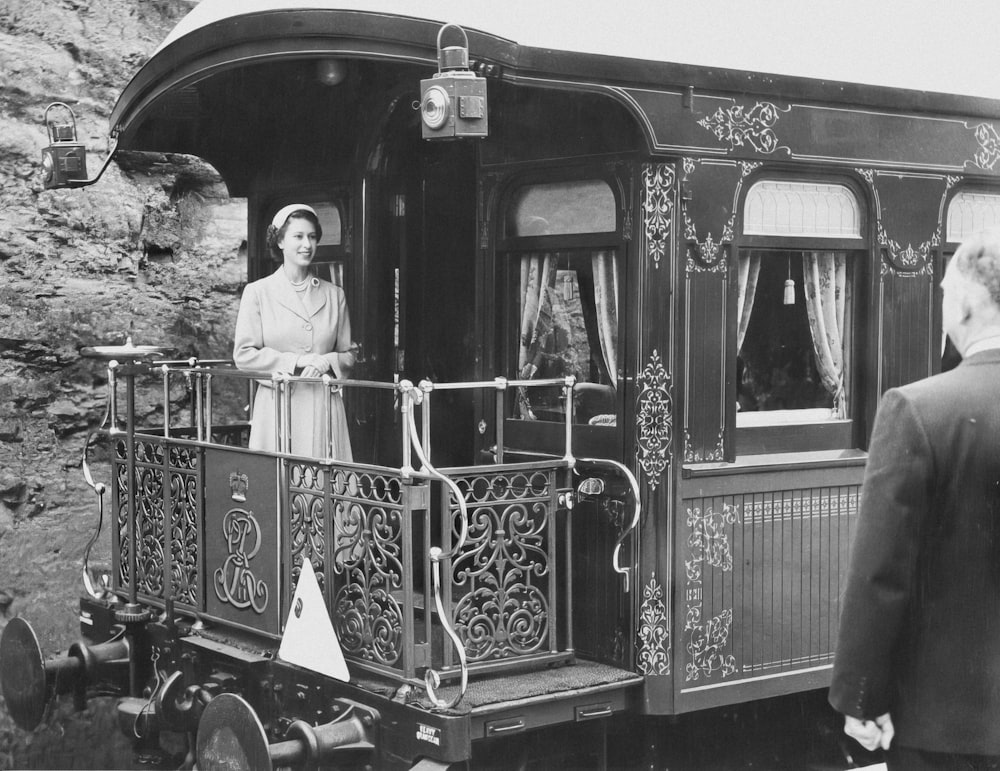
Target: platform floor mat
point(488, 693)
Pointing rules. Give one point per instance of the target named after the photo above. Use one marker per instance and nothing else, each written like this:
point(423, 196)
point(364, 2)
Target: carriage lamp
point(331, 72)
point(64, 161)
point(453, 101)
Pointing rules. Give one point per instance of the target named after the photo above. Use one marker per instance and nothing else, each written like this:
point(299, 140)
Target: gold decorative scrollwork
point(654, 633)
point(658, 208)
point(988, 154)
point(707, 260)
point(705, 645)
point(741, 127)
point(717, 453)
point(908, 260)
point(708, 543)
point(708, 255)
point(654, 420)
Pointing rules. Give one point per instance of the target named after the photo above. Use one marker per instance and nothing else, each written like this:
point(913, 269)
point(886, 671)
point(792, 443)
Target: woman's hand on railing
point(312, 365)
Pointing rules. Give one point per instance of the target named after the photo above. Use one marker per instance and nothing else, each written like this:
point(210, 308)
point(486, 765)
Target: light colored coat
point(275, 326)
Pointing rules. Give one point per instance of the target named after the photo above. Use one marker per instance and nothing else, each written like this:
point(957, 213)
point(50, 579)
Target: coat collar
point(989, 356)
point(305, 304)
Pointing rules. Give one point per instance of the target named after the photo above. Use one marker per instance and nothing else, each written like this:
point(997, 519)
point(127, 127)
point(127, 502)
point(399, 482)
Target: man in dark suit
point(917, 669)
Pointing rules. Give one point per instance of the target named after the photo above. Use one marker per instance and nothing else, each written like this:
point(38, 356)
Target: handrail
point(634, 485)
point(432, 680)
point(107, 426)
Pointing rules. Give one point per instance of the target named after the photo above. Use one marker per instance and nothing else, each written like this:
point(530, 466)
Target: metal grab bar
point(415, 396)
point(634, 485)
point(107, 426)
point(432, 680)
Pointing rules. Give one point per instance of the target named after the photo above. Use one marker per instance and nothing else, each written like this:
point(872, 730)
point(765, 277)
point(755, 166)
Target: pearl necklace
point(299, 286)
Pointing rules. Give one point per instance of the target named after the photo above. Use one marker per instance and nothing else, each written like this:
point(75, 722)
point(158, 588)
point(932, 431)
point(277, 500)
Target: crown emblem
point(238, 484)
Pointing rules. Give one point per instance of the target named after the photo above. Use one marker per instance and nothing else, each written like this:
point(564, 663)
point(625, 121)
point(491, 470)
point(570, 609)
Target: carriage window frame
point(541, 435)
point(787, 435)
point(949, 356)
point(959, 197)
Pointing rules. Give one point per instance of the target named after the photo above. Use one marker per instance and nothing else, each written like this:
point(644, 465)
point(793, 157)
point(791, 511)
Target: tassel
point(789, 292)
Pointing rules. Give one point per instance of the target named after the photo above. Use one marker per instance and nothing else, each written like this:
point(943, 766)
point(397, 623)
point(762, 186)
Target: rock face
point(156, 247)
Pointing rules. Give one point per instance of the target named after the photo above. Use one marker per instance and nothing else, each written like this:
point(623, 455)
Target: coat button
point(308, 327)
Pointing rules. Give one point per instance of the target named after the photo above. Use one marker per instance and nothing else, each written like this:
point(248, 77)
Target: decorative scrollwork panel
point(368, 564)
point(503, 578)
point(307, 531)
point(184, 537)
point(150, 522)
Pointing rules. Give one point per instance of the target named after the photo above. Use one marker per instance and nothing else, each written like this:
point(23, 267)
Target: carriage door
point(418, 298)
point(560, 272)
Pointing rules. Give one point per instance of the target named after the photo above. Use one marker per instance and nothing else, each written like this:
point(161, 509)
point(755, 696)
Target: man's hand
point(870, 734)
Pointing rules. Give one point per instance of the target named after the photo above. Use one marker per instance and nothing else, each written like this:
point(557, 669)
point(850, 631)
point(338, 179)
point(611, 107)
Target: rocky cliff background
point(155, 247)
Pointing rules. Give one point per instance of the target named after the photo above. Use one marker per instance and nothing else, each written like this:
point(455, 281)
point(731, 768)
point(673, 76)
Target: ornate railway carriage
point(653, 306)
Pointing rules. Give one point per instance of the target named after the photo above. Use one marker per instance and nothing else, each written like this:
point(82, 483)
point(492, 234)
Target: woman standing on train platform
point(295, 323)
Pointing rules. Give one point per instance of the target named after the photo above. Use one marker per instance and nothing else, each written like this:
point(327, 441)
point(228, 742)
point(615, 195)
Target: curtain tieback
point(840, 401)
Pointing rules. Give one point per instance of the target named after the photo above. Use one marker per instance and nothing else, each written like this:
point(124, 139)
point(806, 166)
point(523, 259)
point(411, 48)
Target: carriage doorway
point(419, 278)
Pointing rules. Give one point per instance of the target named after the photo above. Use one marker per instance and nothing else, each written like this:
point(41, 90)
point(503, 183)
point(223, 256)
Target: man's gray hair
point(978, 259)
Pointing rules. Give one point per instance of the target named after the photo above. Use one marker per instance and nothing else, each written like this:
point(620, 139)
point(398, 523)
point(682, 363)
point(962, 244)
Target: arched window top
point(801, 209)
point(560, 208)
point(329, 220)
point(970, 212)
point(328, 214)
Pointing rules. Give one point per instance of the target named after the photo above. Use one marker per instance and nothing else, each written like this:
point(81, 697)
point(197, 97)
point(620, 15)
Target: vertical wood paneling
point(656, 428)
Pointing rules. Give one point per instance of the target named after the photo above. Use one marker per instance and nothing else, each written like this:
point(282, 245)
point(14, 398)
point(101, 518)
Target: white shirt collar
point(986, 344)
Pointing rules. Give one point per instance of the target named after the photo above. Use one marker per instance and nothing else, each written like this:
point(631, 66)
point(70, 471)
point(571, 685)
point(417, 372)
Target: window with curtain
point(796, 281)
point(564, 276)
point(795, 311)
point(568, 312)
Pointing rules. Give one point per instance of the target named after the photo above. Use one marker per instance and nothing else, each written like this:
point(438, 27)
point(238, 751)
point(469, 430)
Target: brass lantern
point(453, 101)
point(64, 161)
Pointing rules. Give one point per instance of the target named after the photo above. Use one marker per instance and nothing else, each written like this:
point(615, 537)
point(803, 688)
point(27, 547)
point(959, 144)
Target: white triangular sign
point(309, 640)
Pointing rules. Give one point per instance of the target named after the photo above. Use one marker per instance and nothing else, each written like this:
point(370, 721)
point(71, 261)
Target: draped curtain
point(605, 269)
point(538, 281)
point(748, 270)
point(827, 293)
point(538, 277)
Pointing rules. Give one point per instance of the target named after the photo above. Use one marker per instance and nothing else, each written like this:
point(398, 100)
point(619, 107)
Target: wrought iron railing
point(428, 573)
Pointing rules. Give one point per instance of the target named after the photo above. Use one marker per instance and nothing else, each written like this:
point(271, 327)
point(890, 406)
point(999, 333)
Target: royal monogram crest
point(235, 582)
point(238, 484)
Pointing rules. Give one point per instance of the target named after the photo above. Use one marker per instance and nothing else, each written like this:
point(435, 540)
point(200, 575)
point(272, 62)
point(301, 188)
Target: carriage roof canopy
point(628, 51)
point(924, 45)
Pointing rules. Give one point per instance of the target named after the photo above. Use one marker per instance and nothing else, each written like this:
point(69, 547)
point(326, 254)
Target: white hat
point(284, 211)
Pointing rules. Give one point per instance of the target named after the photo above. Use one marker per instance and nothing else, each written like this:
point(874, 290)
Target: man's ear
point(976, 302)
